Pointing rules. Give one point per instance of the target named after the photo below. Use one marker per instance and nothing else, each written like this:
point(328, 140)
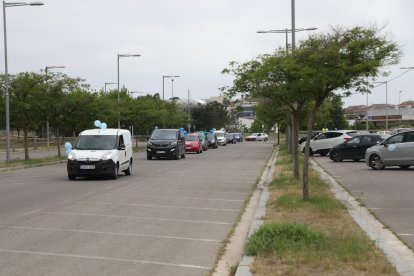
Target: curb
point(396, 251)
point(243, 268)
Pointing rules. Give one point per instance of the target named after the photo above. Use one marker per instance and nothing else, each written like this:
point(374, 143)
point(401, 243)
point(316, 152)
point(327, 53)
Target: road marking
point(405, 234)
point(108, 233)
point(91, 193)
point(200, 191)
point(32, 212)
point(102, 258)
point(158, 206)
point(109, 187)
point(140, 218)
point(375, 208)
point(190, 198)
point(63, 202)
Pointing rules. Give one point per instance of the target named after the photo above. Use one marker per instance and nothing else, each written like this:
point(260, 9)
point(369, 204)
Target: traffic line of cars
point(379, 150)
point(174, 143)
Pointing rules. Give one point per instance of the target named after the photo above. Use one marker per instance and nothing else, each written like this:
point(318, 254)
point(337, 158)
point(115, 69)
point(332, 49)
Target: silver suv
point(397, 150)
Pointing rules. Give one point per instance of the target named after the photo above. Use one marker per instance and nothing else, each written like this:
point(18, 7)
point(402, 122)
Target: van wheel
point(183, 155)
point(177, 155)
point(404, 167)
point(129, 170)
point(115, 172)
point(71, 176)
point(149, 156)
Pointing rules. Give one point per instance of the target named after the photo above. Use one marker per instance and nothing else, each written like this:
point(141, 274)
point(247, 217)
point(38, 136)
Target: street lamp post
point(47, 68)
point(108, 83)
point(399, 106)
point(135, 92)
point(286, 32)
point(167, 77)
point(6, 72)
point(118, 57)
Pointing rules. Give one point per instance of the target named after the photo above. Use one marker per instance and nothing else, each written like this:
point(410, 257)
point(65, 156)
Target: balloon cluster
point(212, 130)
point(68, 148)
point(98, 123)
point(183, 131)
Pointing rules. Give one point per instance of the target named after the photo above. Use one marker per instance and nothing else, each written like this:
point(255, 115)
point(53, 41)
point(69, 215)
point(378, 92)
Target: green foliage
point(322, 202)
point(281, 238)
point(211, 115)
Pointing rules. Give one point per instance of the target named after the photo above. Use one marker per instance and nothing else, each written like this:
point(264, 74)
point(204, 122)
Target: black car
point(239, 137)
point(355, 147)
point(212, 140)
point(231, 139)
point(166, 143)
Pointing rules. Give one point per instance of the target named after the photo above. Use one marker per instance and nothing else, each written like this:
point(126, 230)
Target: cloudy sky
point(195, 39)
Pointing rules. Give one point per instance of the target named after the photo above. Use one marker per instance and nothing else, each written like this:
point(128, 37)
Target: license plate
point(87, 167)
point(161, 151)
point(187, 147)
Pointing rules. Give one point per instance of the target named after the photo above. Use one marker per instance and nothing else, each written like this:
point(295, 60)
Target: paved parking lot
point(388, 193)
point(168, 218)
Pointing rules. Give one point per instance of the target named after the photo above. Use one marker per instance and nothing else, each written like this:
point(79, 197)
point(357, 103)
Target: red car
point(193, 143)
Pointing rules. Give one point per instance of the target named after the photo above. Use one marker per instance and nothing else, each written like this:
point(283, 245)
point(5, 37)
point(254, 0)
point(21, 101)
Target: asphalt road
point(168, 218)
point(388, 193)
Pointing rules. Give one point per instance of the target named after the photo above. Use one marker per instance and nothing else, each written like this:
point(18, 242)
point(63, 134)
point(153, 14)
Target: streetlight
point(121, 56)
point(47, 68)
point(6, 71)
point(286, 32)
point(167, 77)
point(108, 83)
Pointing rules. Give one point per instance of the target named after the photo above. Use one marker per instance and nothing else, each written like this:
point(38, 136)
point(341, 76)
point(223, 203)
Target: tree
point(211, 115)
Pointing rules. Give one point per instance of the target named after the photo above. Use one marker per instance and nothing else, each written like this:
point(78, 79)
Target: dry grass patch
point(316, 237)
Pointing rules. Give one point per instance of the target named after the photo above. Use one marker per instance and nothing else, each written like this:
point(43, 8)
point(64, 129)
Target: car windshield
point(96, 142)
point(191, 138)
point(210, 136)
point(220, 134)
point(164, 135)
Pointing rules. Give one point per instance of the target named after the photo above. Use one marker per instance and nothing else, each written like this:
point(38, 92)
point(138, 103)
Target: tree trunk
point(288, 138)
point(305, 177)
point(57, 143)
point(295, 130)
point(26, 144)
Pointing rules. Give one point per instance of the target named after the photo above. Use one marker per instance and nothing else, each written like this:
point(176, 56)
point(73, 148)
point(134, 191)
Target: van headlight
point(107, 156)
point(149, 143)
point(173, 144)
point(71, 156)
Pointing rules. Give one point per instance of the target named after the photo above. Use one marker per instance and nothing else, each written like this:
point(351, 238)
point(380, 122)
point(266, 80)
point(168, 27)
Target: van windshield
point(96, 142)
point(164, 135)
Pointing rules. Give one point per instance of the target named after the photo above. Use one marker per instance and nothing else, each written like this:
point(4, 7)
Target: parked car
point(313, 135)
point(101, 152)
point(384, 132)
point(166, 143)
point(231, 139)
point(323, 143)
point(257, 137)
point(397, 150)
point(355, 147)
point(212, 140)
point(400, 129)
point(221, 137)
point(193, 143)
point(239, 137)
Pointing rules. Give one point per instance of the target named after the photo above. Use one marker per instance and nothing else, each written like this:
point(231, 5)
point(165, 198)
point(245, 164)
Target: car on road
point(193, 143)
point(212, 140)
point(101, 152)
point(257, 137)
point(221, 137)
point(168, 143)
point(323, 143)
point(204, 141)
point(239, 137)
point(397, 150)
point(355, 148)
point(231, 139)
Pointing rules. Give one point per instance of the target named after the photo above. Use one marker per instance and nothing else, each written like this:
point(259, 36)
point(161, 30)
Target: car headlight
point(212, 141)
point(71, 156)
point(173, 144)
point(107, 156)
point(149, 143)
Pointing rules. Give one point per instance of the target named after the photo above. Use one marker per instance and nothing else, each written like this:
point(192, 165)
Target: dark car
point(231, 139)
point(355, 147)
point(166, 143)
point(212, 140)
point(239, 137)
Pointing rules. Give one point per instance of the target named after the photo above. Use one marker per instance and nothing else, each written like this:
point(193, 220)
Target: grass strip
point(315, 237)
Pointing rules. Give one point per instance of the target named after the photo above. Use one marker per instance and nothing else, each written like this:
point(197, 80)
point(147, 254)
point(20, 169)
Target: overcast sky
point(195, 39)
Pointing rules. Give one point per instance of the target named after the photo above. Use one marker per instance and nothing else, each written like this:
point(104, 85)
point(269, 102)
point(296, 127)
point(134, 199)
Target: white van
point(221, 137)
point(101, 152)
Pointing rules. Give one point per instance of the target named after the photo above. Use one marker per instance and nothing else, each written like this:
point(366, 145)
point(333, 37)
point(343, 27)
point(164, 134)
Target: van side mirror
point(121, 147)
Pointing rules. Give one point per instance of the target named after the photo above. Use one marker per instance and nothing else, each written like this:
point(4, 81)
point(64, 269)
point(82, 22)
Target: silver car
point(397, 150)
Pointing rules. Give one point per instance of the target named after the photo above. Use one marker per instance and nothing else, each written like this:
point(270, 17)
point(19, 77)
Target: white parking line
point(158, 206)
point(103, 258)
point(108, 233)
point(189, 198)
point(32, 212)
point(88, 194)
point(140, 218)
point(405, 234)
point(63, 202)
